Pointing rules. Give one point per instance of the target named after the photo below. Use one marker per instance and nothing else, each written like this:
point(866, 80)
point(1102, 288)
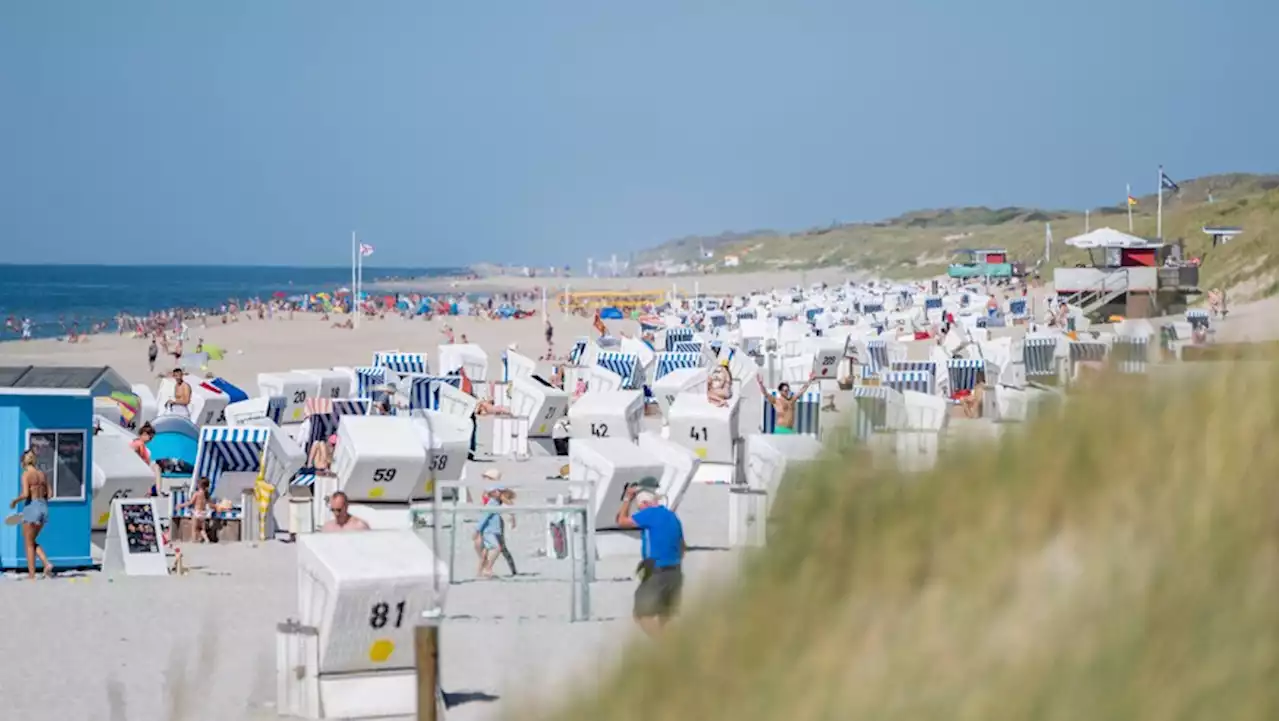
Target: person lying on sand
point(348, 324)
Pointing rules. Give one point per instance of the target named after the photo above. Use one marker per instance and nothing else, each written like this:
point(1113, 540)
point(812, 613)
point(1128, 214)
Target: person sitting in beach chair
point(320, 458)
point(180, 404)
point(720, 385)
point(784, 403)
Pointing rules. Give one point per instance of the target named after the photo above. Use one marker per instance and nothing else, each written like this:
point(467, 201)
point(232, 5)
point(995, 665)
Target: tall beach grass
point(1116, 563)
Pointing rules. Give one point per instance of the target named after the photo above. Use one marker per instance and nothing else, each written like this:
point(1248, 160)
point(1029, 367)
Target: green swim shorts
point(783, 431)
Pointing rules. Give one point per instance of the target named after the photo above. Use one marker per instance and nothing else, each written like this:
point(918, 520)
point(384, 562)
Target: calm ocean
point(91, 293)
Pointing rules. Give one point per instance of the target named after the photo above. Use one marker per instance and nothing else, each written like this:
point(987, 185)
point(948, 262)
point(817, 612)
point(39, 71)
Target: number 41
point(698, 434)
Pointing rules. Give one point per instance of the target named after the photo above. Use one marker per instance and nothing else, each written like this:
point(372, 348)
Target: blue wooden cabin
point(50, 410)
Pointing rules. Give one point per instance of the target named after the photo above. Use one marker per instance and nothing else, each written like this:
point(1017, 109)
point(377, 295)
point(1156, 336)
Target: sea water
point(56, 296)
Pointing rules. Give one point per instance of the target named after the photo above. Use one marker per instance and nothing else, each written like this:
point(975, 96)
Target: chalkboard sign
point(135, 546)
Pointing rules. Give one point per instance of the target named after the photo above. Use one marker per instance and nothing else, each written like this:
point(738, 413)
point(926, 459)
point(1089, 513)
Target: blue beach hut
point(50, 410)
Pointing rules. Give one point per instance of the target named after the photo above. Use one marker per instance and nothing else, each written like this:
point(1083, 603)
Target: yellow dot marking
point(103, 518)
point(431, 486)
point(701, 453)
point(542, 429)
point(375, 493)
point(381, 650)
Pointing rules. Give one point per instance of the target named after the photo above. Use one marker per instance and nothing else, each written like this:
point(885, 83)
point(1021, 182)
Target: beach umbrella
point(129, 404)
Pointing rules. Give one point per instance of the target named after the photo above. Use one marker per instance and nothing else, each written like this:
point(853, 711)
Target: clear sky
point(264, 131)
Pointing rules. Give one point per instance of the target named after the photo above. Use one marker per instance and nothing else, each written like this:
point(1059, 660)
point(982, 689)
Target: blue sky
point(255, 131)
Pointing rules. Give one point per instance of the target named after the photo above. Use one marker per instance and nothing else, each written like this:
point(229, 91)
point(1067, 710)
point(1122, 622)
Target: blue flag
point(1167, 182)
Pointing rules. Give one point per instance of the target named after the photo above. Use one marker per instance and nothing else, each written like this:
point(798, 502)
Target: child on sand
point(199, 505)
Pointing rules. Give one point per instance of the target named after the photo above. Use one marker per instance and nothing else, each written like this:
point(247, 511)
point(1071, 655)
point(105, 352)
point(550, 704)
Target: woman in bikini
point(35, 512)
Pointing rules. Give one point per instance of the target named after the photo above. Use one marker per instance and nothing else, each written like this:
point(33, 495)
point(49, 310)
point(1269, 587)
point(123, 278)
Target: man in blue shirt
point(663, 549)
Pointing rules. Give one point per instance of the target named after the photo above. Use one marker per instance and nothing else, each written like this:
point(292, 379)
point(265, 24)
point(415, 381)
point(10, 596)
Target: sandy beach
point(717, 283)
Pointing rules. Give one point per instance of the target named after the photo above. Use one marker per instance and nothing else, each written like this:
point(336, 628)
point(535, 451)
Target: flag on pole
point(1132, 201)
point(1167, 183)
point(366, 250)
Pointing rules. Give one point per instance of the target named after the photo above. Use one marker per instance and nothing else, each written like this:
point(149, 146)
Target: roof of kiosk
point(62, 380)
point(1110, 238)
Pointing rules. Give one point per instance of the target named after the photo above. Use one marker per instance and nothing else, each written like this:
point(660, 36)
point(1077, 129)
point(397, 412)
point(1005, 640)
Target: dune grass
point(1116, 563)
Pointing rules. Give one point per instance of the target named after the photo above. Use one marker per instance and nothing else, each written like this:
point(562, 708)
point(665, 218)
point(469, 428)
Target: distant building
point(731, 261)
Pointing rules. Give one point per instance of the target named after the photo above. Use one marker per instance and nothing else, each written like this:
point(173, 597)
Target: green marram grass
point(922, 242)
point(1117, 562)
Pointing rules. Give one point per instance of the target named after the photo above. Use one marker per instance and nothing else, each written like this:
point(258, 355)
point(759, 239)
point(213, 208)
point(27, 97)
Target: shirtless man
point(181, 401)
point(342, 518)
point(720, 385)
point(785, 404)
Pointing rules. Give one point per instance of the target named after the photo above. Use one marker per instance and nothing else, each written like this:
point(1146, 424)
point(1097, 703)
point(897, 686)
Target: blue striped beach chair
point(424, 393)
point(873, 307)
point(366, 378)
point(677, 335)
point(807, 413)
point(1038, 357)
point(747, 314)
point(1087, 350)
point(275, 408)
point(1018, 307)
point(624, 364)
point(669, 361)
point(687, 346)
point(871, 405)
point(401, 362)
point(877, 355)
point(303, 480)
point(1129, 353)
point(576, 352)
point(933, 302)
point(324, 415)
point(918, 381)
point(965, 372)
point(222, 449)
point(1198, 318)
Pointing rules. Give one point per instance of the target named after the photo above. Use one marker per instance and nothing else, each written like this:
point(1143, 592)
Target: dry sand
point(718, 283)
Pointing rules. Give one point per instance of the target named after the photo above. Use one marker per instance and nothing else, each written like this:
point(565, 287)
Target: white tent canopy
point(1108, 238)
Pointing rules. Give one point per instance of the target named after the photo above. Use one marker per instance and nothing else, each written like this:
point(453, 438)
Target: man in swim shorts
point(784, 404)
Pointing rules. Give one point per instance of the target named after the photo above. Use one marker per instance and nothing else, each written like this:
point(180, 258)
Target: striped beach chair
point(807, 413)
point(324, 414)
point(577, 351)
point(179, 495)
point(871, 406)
point(669, 361)
point(1087, 350)
point(424, 393)
point(677, 335)
point(1038, 357)
point(1198, 318)
point(918, 381)
point(1129, 353)
point(872, 307)
point(303, 480)
point(965, 373)
point(687, 346)
point(401, 362)
point(229, 448)
point(877, 355)
point(367, 377)
point(625, 365)
point(933, 302)
point(1018, 307)
point(747, 314)
point(275, 408)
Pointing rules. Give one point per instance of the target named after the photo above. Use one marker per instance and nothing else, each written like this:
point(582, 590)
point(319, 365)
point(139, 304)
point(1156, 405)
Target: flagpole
point(353, 273)
point(1160, 202)
point(1086, 220)
point(1128, 202)
point(359, 282)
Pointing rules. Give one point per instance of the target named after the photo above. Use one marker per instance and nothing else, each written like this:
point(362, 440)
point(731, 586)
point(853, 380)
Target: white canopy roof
point(1109, 238)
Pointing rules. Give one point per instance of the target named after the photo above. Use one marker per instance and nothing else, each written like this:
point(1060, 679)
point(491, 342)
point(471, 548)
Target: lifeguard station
point(607, 414)
point(350, 652)
point(49, 410)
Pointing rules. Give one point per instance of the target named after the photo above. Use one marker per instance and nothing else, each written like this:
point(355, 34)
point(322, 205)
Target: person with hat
point(661, 579)
point(720, 384)
point(500, 496)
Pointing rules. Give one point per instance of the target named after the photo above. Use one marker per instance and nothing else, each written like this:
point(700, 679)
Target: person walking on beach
point(199, 505)
point(153, 352)
point(550, 333)
point(35, 513)
point(657, 598)
point(342, 519)
point(784, 404)
point(180, 404)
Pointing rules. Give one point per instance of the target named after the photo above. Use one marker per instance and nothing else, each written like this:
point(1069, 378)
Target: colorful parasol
point(129, 404)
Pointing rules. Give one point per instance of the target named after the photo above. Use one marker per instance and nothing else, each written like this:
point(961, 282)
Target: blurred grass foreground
point(1119, 562)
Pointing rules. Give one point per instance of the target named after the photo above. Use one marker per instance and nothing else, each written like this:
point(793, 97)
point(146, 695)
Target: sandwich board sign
point(135, 546)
